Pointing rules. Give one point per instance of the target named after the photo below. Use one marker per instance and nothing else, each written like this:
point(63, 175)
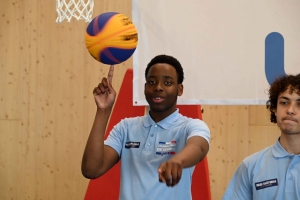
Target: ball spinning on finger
point(111, 38)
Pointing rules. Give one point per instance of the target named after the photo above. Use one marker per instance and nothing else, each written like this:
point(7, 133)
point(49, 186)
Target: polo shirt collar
point(278, 151)
point(165, 123)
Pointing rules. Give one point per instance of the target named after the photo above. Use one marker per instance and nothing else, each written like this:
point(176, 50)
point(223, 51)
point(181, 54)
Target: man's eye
point(283, 102)
point(168, 83)
point(151, 82)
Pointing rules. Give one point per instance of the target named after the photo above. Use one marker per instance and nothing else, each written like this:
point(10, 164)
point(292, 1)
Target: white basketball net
point(79, 9)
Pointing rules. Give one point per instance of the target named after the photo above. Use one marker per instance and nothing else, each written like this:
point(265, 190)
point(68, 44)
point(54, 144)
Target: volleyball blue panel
point(112, 56)
point(100, 23)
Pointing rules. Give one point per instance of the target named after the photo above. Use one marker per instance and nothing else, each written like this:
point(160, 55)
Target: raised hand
point(104, 93)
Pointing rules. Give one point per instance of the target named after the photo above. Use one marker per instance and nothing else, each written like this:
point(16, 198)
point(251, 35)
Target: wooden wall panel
point(47, 77)
point(11, 75)
point(11, 165)
point(228, 139)
point(47, 108)
point(236, 132)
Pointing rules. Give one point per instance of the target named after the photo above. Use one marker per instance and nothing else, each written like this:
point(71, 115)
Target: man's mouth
point(158, 99)
point(290, 119)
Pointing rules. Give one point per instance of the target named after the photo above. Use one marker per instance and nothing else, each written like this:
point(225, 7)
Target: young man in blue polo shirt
point(158, 151)
point(274, 173)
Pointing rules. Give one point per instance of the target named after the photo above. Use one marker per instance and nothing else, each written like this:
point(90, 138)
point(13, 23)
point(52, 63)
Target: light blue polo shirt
point(143, 145)
point(272, 173)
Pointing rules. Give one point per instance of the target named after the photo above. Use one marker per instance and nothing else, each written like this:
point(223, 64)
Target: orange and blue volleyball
point(111, 38)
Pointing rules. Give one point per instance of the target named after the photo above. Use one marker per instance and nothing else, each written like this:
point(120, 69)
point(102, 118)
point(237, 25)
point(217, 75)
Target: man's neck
point(158, 116)
point(291, 143)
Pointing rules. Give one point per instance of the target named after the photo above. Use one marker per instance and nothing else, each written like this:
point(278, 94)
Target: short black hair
point(168, 60)
point(280, 85)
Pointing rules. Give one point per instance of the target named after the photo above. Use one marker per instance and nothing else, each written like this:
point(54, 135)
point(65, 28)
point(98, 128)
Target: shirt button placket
point(150, 139)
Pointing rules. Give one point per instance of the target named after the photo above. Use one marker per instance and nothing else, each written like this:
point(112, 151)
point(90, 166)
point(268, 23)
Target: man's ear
point(179, 89)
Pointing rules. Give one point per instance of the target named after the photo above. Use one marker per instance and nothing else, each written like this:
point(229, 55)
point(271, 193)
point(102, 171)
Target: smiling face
point(161, 90)
point(288, 113)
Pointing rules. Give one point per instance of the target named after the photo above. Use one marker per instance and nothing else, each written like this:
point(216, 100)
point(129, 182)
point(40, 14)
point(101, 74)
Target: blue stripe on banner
point(274, 56)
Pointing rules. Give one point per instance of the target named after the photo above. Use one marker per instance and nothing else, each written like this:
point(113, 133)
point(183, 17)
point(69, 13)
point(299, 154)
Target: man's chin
point(157, 109)
point(290, 132)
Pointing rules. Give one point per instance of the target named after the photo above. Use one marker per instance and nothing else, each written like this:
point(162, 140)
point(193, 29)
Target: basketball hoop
point(81, 9)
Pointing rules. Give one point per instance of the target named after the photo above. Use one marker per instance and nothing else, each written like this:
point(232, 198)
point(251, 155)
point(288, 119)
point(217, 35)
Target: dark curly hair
point(280, 85)
point(168, 60)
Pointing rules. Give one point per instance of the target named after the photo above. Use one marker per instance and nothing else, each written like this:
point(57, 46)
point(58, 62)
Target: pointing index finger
point(110, 74)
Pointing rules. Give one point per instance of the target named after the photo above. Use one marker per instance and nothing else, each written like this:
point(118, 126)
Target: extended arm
point(195, 150)
point(98, 158)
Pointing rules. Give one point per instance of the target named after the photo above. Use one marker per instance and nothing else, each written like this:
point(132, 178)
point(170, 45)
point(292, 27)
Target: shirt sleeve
point(116, 137)
point(199, 128)
point(240, 187)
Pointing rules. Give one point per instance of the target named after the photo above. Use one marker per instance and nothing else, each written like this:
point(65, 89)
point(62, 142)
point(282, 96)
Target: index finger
point(110, 74)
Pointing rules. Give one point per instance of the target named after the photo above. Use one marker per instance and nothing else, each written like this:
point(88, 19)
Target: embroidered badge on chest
point(266, 184)
point(166, 148)
point(129, 145)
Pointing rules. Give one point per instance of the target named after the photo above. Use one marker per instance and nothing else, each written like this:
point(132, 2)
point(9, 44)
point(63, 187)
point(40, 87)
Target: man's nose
point(158, 86)
point(291, 109)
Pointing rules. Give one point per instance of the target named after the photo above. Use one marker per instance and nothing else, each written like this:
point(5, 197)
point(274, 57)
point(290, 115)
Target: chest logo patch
point(130, 144)
point(266, 184)
point(166, 148)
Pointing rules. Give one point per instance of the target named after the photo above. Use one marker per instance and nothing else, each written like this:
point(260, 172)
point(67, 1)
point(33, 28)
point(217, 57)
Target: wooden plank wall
point(236, 132)
point(47, 109)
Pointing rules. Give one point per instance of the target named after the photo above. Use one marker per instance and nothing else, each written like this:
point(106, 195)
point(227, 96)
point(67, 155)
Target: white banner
point(230, 50)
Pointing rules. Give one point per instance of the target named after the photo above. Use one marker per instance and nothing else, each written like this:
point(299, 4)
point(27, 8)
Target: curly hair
point(280, 85)
point(168, 60)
